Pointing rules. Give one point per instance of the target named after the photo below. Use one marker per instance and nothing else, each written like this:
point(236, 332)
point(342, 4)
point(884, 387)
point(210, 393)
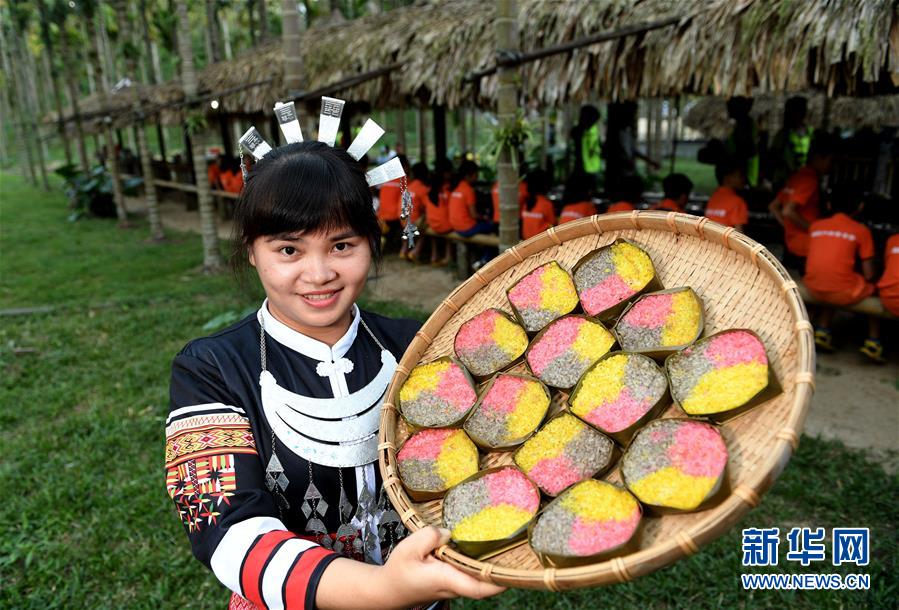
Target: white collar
point(308, 346)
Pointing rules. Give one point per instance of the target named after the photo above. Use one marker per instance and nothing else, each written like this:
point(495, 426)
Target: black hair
point(421, 172)
point(726, 167)
point(631, 189)
point(739, 106)
point(305, 187)
point(795, 110)
point(538, 182)
point(823, 144)
point(579, 187)
point(441, 168)
point(846, 198)
point(675, 185)
point(589, 114)
point(465, 168)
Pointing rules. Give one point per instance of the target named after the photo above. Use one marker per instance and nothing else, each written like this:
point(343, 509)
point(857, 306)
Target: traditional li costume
point(271, 442)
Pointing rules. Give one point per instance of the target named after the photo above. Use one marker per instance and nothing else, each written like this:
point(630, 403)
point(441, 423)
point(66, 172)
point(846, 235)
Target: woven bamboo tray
point(741, 285)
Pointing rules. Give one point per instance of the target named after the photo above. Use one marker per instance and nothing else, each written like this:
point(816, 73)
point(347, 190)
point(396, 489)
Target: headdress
point(328, 126)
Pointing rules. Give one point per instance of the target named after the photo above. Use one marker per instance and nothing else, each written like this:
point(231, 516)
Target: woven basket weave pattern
point(741, 286)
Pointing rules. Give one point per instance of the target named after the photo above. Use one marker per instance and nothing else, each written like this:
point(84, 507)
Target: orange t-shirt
point(726, 207)
point(888, 286)
point(459, 215)
point(834, 243)
point(802, 189)
point(621, 206)
point(437, 215)
point(522, 198)
point(668, 204)
point(538, 219)
point(419, 191)
point(213, 173)
point(231, 181)
point(389, 196)
point(576, 211)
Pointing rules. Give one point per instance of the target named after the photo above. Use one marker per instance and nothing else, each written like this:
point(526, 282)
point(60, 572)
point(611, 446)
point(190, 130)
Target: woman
point(538, 214)
point(437, 212)
point(272, 436)
point(463, 212)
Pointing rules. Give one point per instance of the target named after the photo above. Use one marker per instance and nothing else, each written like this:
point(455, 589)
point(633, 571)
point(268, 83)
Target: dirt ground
point(855, 401)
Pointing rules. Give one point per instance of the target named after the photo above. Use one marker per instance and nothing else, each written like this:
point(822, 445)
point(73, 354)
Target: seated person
point(628, 196)
point(835, 243)
point(888, 286)
point(677, 188)
point(725, 205)
point(463, 212)
point(538, 214)
point(578, 201)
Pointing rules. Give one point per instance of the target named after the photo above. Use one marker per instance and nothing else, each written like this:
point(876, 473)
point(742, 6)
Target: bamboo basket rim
point(714, 521)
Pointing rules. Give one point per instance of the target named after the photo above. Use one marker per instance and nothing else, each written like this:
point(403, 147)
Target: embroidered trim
point(206, 435)
point(198, 487)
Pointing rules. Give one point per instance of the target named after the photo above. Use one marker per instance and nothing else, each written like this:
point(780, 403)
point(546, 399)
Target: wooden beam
point(516, 59)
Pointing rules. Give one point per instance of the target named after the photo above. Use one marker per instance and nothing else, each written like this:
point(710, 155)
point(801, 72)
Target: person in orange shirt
point(796, 206)
point(463, 213)
point(494, 196)
point(214, 172)
point(418, 188)
point(888, 286)
point(538, 214)
point(725, 205)
point(677, 188)
point(437, 212)
point(578, 198)
point(389, 198)
point(629, 195)
point(834, 245)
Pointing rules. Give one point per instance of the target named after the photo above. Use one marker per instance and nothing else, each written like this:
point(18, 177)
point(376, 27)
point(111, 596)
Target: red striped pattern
point(299, 576)
point(254, 563)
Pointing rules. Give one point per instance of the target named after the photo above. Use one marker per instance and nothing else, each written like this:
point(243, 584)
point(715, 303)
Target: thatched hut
point(717, 47)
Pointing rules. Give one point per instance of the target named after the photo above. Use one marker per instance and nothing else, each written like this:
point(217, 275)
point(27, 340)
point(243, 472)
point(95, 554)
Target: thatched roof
point(720, 47)
point(709, 115)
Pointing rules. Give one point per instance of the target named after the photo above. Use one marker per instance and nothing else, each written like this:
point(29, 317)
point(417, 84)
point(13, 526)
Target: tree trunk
point(461, 133)
point(146, 161)
point(152, 76)
point(71, 85)
point(111, 154)
point(17, 103)
point(422, 135)
point(293, 59)
point(212, 258)
point(23, 60)
point(53, 76)
point(401, 129)
point(263, 20)
point(251, 18)
point(506, 32)
point(226, 39)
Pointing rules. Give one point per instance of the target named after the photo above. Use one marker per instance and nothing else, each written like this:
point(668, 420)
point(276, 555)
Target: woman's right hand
point(412, 576)
point(413, 570)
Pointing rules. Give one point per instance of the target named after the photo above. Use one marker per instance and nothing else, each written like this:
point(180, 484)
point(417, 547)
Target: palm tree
point(74, 91)
point(212, 257)
point(16, 101)
point(90, 9)
point(293, 59)
point(506, 31)
point(213, 32)
point(47, 17)
point(131, 53)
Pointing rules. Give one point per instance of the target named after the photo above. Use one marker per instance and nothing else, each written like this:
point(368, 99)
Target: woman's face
point(312, 280)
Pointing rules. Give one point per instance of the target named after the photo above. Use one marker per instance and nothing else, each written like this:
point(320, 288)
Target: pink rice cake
point(494, 506)
point(565, 349)
point(590, 518)
point(719, 373)
point(675, 463)
point(437, 394)
point(435, 459)
point(564, 451)
point(489, 342)
point(665, 320)
point(618, 391)
point(612, 275)
point(509, 411)
point(543, 295)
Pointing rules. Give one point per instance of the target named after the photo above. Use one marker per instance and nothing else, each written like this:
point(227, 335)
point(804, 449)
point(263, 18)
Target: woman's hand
point(413, 570)
point(412, 576)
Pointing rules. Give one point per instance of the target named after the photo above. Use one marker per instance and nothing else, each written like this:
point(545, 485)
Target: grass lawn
point(87, 522)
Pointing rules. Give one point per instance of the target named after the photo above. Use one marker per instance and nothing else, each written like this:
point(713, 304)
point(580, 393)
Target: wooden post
point(422, 135)
point(506, 41)
point(160, 138)
point(461, 135)
point(401, 129)
point(439, 113)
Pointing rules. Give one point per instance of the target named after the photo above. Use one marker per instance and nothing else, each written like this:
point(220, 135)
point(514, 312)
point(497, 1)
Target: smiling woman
point(272, 436)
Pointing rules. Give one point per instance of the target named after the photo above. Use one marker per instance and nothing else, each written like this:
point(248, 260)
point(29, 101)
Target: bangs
point(307, 187)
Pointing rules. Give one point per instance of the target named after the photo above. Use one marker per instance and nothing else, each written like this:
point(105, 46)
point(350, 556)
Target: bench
point(870, 306)
point(463, 254)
